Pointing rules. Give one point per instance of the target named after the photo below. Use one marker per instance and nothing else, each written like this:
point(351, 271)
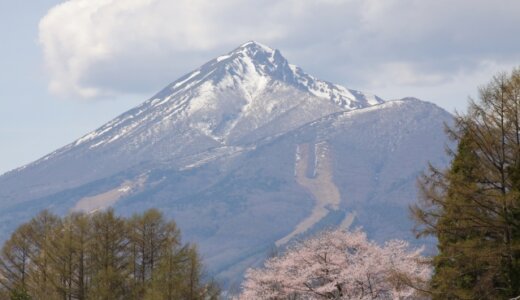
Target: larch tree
point(108, 256)
point(472, 208)
point(15, 262)
point(41, 280)
point(152, 240)
point(101, 256)
point(69, 252)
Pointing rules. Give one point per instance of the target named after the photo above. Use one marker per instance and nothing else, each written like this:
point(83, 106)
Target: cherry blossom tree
point(339, 264)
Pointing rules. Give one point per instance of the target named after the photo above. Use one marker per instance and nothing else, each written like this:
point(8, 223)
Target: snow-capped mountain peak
point(253, 63)
point(250, 64)
point(245, 152)
point(246, 95)
point(253, 50)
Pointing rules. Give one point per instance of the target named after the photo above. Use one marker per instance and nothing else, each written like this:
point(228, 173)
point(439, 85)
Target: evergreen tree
point(472, 208)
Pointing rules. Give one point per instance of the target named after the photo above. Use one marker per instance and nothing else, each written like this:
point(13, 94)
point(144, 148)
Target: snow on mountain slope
point(215, 150)
point(314, 174)
point(232, 95)
point(235, 100)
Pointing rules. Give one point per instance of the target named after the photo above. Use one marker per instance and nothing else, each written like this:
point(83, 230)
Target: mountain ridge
point(246, 153)
point(188, 110)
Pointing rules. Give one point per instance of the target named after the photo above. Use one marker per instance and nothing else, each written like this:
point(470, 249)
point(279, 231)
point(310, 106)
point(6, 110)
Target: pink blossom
point(338, 264)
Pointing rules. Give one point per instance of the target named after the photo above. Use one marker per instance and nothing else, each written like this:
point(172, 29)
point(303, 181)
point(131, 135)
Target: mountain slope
point(246, 153)
point(236, 99)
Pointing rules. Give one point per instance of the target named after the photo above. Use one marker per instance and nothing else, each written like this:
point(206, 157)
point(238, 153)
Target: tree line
point(473, 207)
point(101, 256)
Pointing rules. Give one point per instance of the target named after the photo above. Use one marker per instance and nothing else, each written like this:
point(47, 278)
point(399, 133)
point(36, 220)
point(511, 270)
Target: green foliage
point(20, 294)
point(473, 208)
point(101, 256)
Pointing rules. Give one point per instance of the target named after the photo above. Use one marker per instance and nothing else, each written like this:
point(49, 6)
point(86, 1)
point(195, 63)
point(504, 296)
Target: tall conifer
point(472, 208)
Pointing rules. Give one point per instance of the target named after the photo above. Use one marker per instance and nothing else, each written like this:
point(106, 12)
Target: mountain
point(246, 153)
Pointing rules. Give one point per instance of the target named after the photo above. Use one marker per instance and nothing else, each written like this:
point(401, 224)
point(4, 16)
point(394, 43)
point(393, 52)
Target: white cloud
point(94, 48)
point(451, 93)
point(403, 74)
point(108, 47)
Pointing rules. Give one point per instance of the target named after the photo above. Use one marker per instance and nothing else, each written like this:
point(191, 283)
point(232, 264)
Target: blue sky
point(67, 67)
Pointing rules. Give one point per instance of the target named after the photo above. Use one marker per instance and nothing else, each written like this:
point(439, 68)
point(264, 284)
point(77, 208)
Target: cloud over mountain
point(100, 48)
